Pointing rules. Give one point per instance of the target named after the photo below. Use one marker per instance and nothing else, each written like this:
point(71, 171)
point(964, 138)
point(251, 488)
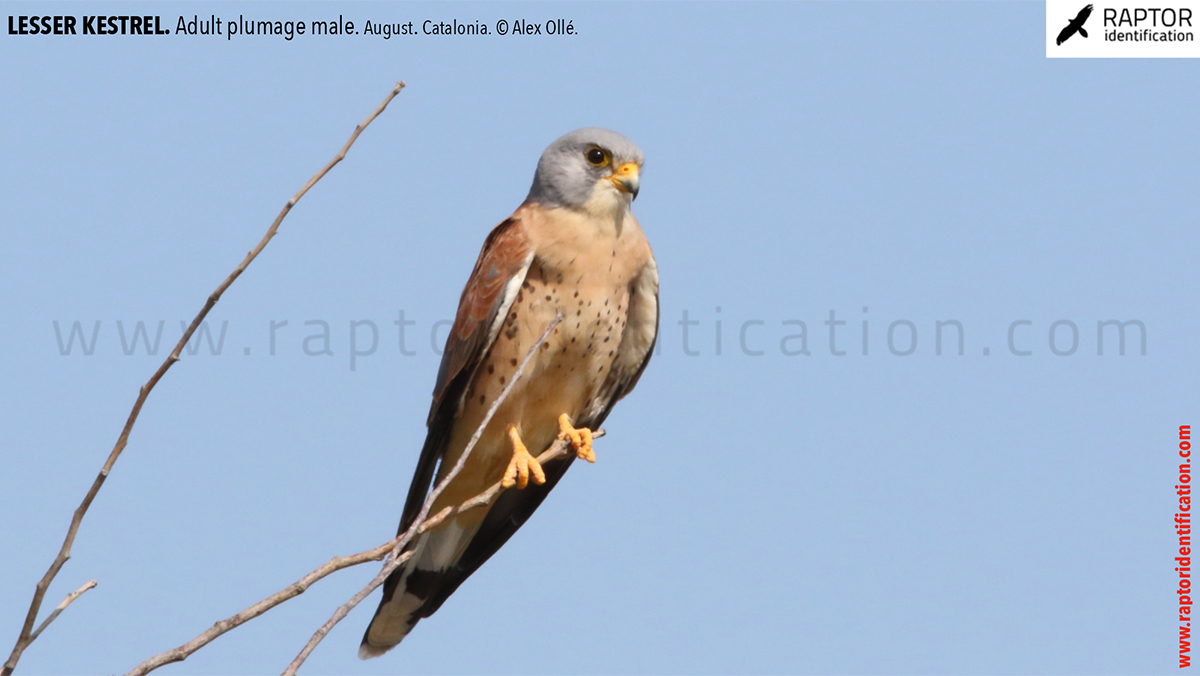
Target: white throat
point(607, 204)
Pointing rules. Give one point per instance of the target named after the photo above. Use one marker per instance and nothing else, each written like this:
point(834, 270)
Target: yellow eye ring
point(596, 156)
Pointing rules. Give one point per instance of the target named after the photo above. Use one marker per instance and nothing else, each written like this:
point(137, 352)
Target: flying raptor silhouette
point(1076, 25)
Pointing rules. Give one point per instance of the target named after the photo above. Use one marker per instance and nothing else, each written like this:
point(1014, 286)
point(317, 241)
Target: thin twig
point(61, 607)
point(390, 565)
point(293, 590)
point(487, 418)
point(419, 523)
point(27, 635)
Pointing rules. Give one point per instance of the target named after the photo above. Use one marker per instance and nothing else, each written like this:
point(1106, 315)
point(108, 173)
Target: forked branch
point(393, 550)
point(422, 522)
point(28, 634)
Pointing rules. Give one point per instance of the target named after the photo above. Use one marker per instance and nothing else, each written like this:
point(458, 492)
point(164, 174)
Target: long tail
point(445, 557)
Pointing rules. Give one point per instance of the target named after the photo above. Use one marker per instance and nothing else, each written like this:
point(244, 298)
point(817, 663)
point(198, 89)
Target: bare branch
point(61, 607)
point(293, 590)
point(390, 565)
point(421, 523)
point(27, 633)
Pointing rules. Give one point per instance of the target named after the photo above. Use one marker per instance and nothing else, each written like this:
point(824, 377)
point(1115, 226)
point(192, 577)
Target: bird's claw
point(580, 438)
point(522, 466)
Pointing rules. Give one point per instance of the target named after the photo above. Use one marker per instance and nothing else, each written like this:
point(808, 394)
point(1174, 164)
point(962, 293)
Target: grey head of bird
point(592, 170)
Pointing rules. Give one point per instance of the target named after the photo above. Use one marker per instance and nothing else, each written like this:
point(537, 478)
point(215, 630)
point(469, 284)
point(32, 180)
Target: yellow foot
point(522, 464)
point(581, 438)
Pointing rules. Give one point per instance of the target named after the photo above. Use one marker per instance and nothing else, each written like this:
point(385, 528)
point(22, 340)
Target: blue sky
point(902, 164)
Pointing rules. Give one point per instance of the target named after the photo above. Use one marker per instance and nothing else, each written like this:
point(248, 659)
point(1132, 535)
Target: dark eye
point(596, 157)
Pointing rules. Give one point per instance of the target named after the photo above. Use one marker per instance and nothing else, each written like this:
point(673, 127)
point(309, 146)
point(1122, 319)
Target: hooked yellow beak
point(626, 178)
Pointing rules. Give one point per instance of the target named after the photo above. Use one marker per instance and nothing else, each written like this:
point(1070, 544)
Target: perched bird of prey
point(1076, 25)
point(573, 247)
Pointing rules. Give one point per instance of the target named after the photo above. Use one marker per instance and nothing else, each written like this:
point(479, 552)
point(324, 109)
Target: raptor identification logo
point(1122, 29)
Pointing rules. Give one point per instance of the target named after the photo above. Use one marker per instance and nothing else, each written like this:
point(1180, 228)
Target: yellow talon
point(581, 438)
point(522, 464)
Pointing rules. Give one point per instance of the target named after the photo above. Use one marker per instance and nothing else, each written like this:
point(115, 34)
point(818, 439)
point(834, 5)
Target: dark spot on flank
point(610, 353)
point(520, 296)
point(547, 296)
point(482, 398)
point(606, 338)
point(491, 369)
point(578, 312)
point(546, 346)
point(501, 380)
point(513, 362)
point(572, 339)
point(606, 302)
point(576, 295)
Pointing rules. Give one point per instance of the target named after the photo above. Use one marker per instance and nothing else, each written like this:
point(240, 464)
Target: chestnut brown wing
point(505, 257)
